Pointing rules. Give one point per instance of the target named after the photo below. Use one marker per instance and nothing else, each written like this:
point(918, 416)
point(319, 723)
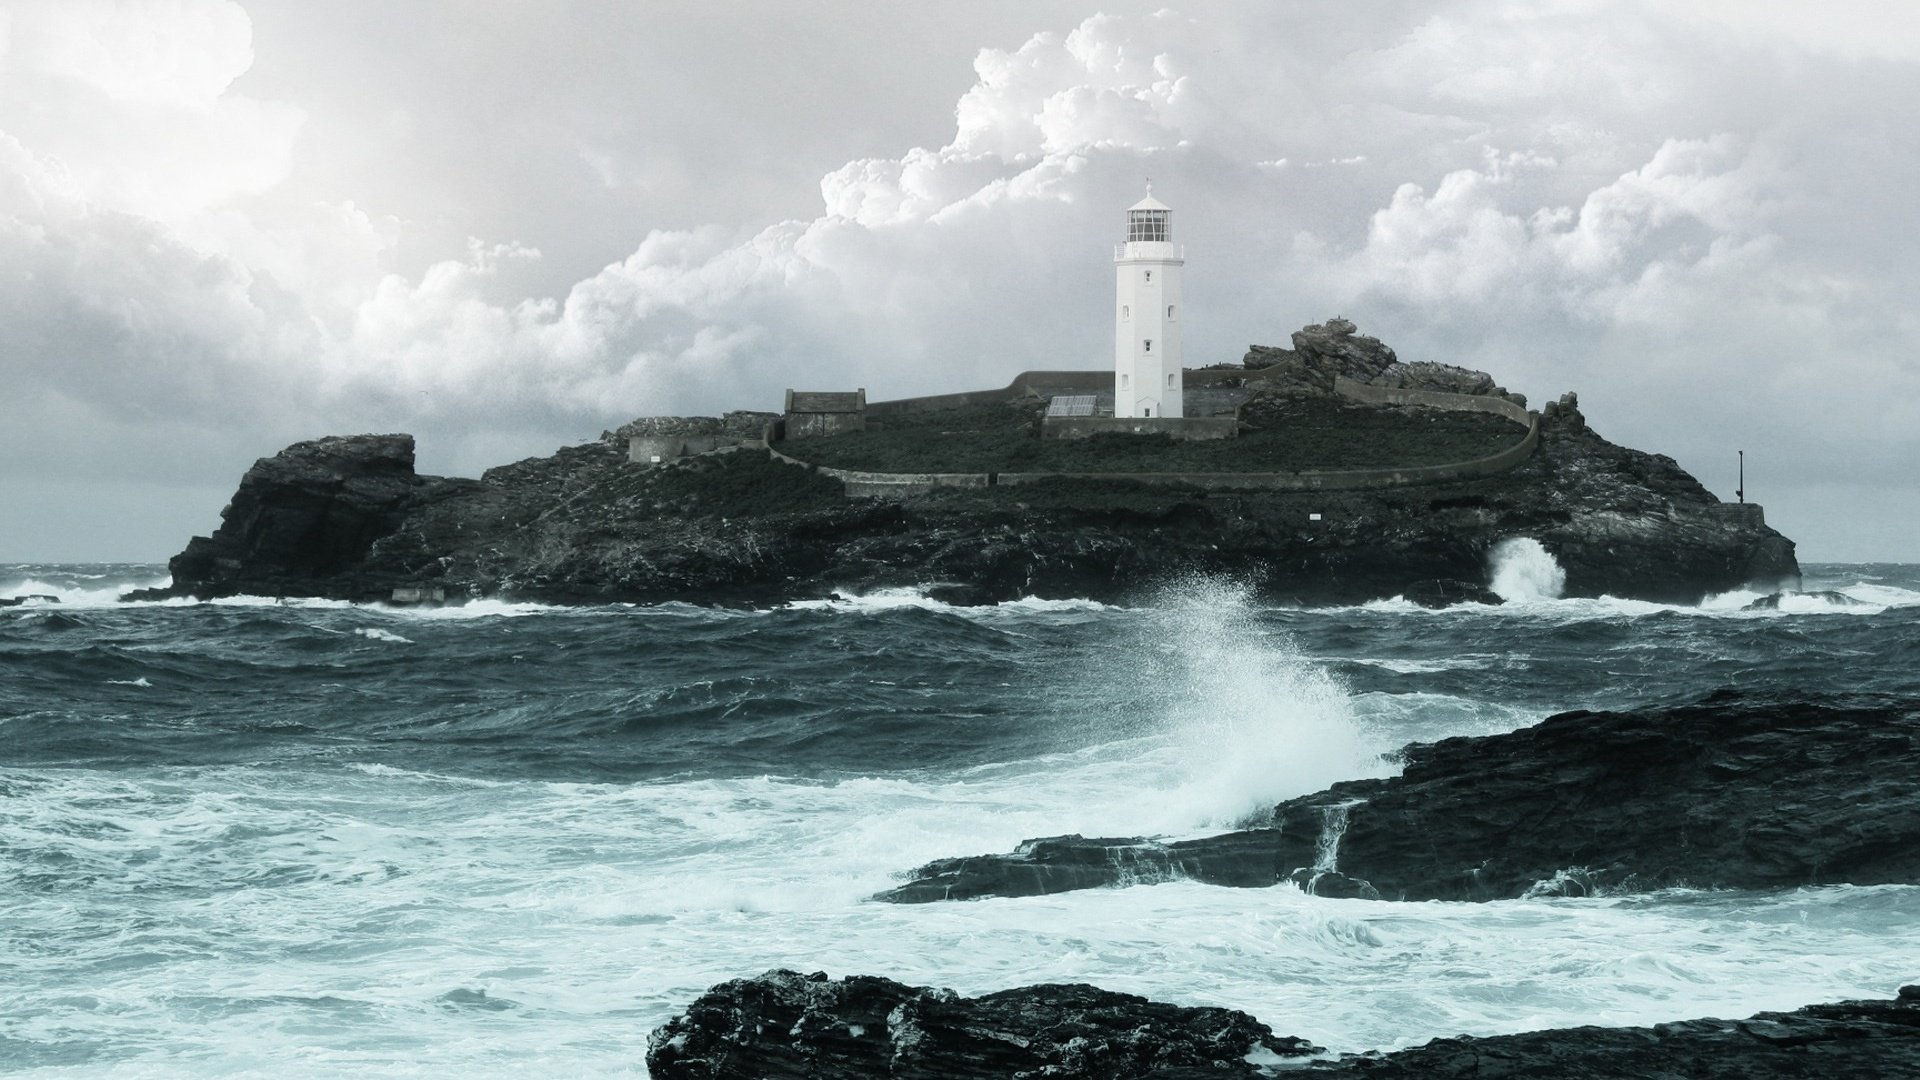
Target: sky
point(506, 225)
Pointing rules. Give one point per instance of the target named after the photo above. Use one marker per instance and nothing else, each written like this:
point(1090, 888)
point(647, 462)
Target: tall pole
point(1741, 491)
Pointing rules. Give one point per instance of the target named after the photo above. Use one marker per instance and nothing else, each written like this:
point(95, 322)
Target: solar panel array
point(1071, 405)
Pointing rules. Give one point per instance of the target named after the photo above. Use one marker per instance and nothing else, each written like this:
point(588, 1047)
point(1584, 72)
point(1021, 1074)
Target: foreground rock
point(1874, 1038)
point(784, 1024)
point(349, 518)
point(1736, 791)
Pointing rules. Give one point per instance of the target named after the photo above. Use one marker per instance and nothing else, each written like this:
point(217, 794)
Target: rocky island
point(1331, 473)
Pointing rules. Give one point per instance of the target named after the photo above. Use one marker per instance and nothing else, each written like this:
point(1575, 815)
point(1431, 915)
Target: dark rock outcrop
point(1337, 345)
point(1873, 1038)
point(785, 1024)
point(36, 598)
point(307, 515)
point(1443, 593)
point(1336, 349)
point(1265, 356)
point(348, 518)
point(1736, 791)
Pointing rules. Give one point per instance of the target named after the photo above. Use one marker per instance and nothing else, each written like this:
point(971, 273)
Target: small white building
point(1147, 379)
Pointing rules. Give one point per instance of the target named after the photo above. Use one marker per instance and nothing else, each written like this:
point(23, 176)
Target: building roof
point(1149, 203)
point(821, 401)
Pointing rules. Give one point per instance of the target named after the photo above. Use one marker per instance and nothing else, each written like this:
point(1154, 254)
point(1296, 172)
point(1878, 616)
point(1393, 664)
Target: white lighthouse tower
point(1146, 315)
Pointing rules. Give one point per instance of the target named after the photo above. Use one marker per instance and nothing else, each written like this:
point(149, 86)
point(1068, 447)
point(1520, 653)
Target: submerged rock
point(785, 1024)
point(1444, 593)
point(1736, 791)
point(1772, 601)
point(28, 598)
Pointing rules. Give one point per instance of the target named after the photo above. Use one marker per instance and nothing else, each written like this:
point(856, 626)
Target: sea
point(305, 838)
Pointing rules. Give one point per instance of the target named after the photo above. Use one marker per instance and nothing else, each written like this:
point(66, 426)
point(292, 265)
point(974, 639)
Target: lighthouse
point(1146, 314)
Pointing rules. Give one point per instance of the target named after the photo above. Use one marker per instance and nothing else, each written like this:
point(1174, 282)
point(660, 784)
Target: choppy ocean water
point(252, 837)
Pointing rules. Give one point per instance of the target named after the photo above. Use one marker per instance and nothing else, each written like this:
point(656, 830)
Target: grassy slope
point(1311, 434)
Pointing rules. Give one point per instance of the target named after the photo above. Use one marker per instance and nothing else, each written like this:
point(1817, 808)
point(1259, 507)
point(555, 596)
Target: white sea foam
point(376, 634)
point(1522, 571)
point(894, 599)
point(1861, 599)
point(74, 595)
point(1422, 667)
point(342, 906)
point(490, 609)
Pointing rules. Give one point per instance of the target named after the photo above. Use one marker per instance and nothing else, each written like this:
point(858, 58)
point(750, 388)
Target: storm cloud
point(224, 226)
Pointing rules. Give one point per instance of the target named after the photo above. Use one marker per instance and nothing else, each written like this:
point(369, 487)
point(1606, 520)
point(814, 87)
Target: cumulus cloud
point(1487, 185)
point(1694, 202)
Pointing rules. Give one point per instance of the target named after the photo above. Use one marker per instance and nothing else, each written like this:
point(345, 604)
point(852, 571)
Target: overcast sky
point(506, 225)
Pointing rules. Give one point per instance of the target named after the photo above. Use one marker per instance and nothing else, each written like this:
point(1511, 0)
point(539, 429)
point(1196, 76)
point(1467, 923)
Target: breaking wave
point(1523, 571)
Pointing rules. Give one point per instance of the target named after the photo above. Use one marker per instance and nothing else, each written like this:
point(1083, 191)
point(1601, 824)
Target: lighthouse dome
point(1149, 221)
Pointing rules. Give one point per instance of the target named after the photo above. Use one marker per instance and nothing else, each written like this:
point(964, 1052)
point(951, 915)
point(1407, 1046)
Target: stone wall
point(1028, 385)
point(884, 485)
point(825, 412)
point(654, 440)
point(659, 449)
point(1741, 513)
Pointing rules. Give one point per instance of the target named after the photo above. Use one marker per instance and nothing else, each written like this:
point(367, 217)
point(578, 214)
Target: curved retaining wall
point(883, 485)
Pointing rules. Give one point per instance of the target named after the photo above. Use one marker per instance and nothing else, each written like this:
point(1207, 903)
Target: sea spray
point(1523, 570)
point(1244, 720)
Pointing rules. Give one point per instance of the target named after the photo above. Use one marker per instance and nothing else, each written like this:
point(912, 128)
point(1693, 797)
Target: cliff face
point(349, 518)
point(305, 516)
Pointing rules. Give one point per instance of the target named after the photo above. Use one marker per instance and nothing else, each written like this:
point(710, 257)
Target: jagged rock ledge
point(1735, 791)
point(786, 1025)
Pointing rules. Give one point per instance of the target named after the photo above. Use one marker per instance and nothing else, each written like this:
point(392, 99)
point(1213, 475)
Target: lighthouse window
point(1169, 382)
point(1126, 311)
point(1149, 274)
point(1149, 344)
point(1123, 382)
point(1169, 312)
point(1147, 225)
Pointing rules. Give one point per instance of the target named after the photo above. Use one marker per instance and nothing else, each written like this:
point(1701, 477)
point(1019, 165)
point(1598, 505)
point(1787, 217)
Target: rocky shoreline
point(349, 518)
point(787, 1025)
point(1735, 791)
